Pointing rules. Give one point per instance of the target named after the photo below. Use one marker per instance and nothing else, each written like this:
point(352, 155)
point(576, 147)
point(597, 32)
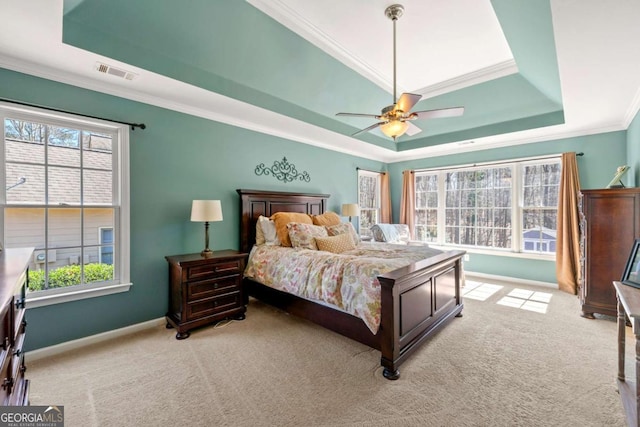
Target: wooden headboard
point(254, 203)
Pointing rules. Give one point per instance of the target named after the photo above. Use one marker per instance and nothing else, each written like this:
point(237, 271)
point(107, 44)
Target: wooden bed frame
point(417, 300)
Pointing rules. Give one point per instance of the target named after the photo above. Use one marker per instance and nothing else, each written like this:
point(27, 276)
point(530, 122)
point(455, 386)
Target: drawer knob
point(20, 303)
point(8, 382)
point(17, 352)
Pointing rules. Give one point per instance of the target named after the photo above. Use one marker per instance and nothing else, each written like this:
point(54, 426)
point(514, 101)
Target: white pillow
point(269, 231)
point(259, 233)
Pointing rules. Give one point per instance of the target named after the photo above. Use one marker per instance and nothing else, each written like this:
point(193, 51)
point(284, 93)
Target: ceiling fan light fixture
point(393, 119)
point(394, 128)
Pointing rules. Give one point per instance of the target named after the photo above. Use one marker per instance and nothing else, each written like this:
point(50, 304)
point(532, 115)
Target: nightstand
point(204, 290)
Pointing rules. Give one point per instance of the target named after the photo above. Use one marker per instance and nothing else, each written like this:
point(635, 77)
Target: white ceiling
point(438, 48)
point(596, 43)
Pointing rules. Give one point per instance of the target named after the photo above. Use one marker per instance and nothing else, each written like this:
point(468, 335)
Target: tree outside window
point(510, 206)
point(368, 200)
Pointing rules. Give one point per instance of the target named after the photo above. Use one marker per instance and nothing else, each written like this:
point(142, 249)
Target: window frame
point(377, 209)
point(517, 206)
point(121, 203)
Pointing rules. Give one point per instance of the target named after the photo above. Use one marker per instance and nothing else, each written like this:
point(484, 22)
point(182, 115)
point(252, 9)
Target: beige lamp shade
point(350, 209)
point(206, 210)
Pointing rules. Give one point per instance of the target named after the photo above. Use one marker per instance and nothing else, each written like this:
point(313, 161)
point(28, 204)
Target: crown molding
point(551, 133)
point(482, 75)
point(633, 109)
point(292, 20)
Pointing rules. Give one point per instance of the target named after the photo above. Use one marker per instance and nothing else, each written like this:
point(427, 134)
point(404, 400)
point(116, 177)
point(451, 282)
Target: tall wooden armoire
point(609, 223)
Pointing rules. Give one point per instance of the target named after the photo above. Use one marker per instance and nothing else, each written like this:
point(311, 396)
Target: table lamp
point(350, 209)
point(206, 211)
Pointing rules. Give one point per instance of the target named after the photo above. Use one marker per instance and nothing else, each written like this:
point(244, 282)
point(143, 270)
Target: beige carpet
point(496, 366)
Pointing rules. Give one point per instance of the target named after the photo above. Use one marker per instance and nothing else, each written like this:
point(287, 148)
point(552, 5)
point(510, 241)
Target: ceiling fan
point(394, 120)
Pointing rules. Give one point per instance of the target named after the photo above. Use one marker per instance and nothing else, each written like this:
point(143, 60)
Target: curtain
point(385, 199)
point(568, 233)
point(408, 200)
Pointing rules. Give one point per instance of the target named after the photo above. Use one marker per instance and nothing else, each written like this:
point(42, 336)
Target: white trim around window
point(121, 191)
point(427, 203)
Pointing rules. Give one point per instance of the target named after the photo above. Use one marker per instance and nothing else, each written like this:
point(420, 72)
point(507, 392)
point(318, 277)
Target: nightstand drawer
point(217, 268)
point(205, 308)
point(210, 288)
point(205, 289)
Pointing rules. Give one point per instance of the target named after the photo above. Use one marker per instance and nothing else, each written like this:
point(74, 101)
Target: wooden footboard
point(417, 300)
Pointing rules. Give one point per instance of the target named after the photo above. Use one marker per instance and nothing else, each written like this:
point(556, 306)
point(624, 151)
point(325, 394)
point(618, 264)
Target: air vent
point(108, 69)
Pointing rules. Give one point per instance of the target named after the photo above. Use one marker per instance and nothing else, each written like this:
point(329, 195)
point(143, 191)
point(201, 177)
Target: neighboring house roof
point(64, 177)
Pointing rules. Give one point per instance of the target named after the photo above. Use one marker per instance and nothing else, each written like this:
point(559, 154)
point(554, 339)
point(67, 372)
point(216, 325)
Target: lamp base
point(206, 253)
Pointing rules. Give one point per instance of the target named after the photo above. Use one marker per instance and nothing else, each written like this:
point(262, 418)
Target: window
point(504, 206)
point(65, 193)
point(426, 223)
point(478, 207)
point(541, 187)
point(368, 200)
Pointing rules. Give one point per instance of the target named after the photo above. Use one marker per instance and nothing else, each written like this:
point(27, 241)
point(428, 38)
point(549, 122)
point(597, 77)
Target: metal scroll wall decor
point(283, 171)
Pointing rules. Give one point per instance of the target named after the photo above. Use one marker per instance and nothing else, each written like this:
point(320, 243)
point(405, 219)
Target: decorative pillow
point(281, 219)
point(344, 228)
point(336, 244)
point(267, 228)
point(259, 232)
point(327, 218)
point(391, 233)
point(303, 235)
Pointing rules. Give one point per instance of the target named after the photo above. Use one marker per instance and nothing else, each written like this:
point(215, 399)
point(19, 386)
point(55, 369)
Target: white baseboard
point(54, 350)
point(506, 279)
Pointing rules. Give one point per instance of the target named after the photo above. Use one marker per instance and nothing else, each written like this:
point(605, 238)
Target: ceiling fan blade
point(367, 129)
point(407, 101)
point(412, 129)
point(358, 115)
point(436, 114)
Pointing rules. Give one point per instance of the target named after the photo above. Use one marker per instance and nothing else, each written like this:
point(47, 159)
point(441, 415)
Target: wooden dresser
point(205, 290)
point(14, 267)
point(609, 223)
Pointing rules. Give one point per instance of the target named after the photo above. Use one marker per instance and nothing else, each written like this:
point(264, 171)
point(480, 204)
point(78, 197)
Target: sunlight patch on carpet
point(527, 300)
point(479, 291)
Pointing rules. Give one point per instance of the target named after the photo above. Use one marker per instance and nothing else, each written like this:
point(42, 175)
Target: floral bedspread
point(347, 281)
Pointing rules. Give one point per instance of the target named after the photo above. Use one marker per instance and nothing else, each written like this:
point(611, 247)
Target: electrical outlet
point(466, 257)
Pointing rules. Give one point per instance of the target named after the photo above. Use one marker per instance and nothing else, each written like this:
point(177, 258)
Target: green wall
point(176, 159)
point(603, 153)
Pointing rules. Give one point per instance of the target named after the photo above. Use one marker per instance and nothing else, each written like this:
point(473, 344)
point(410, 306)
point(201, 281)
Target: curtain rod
point(551, 156)
point(369, 170)
point(26, 104)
